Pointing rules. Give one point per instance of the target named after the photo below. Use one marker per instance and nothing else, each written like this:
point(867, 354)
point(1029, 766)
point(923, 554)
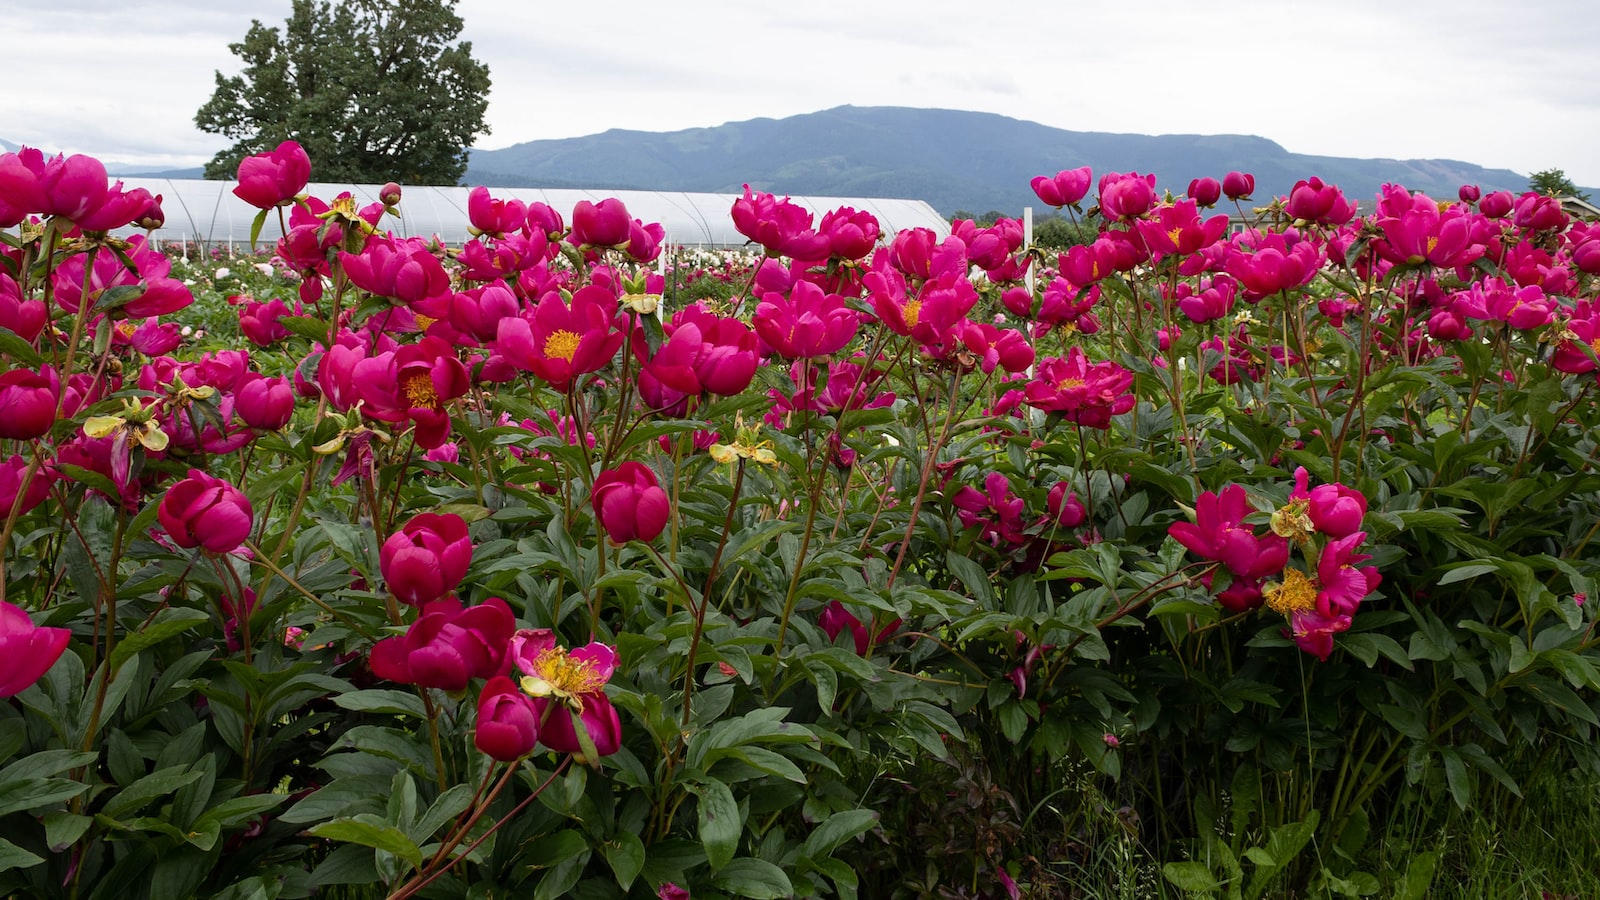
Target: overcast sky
point(1502, 84)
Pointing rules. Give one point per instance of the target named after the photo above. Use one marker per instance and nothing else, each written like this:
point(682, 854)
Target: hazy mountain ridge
point(950, 158)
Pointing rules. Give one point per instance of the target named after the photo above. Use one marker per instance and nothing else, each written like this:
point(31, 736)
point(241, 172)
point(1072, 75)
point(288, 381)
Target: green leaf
point(754, 878)
point(450, 804)
point(350, 864)
point(1418, 877)
point(255, 229)
point(62, 829)
point(1190, 876)
point(1466, 570)
point(1455, 775)
point(31, 793)
point(625, 854)
point(156, 784)
point(371, 831)
point(119, 296)
point(972, 577)
point(170, 621)
point(720, 823)
point(14, 857)
point(836, 829)
point(383, 700)
point(558, 882)
point(338, 797)
point(12, 345)
point(308, 327)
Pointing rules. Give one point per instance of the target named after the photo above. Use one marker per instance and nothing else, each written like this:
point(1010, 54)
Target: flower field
point(1195, 560)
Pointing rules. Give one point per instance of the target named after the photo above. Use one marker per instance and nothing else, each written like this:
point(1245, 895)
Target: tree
point(374, 90)
point(1554, 183)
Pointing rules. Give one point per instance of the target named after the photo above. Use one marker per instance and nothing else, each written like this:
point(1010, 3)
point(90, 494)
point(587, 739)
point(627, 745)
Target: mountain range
point(955, 160)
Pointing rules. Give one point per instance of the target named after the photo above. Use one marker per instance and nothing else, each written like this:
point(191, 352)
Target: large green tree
point(375, 90)
point(1554, 183)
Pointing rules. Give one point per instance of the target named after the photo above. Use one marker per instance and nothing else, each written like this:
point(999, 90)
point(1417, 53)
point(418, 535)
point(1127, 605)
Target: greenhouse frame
point(207, 212)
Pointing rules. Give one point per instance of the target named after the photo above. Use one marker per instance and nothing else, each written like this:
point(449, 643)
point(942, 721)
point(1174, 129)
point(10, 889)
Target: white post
point(1027, 241)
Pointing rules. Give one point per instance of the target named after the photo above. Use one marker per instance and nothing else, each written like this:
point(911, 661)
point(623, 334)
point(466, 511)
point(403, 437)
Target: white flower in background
point(264, 268)
point(223, 272)
point(186, 331)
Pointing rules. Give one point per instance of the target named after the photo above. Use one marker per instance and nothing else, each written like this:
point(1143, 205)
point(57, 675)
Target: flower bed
point(883, 568)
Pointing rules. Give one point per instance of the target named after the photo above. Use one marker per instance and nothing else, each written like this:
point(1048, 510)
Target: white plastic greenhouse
point(208, 212)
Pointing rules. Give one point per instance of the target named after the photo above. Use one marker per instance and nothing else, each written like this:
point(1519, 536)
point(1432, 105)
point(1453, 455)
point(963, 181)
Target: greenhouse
point(208, 212)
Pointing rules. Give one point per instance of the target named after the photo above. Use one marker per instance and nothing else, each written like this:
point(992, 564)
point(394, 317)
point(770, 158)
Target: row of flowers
point(543, 347)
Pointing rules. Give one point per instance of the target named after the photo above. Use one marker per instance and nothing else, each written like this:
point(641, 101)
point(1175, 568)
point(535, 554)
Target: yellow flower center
point(1595, 345)
point(1433, 241)
point(423, 322)
point(419, 390)
point(1067, 384)
point(912, 313)
point(561, 676)
point(562, 345)
point(1297, 592)
point(1173, 234)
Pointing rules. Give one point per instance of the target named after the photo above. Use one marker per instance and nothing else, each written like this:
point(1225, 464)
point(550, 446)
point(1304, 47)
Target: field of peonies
point(1193, 561)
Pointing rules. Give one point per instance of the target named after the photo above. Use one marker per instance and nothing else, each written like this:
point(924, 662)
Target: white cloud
point(1508, 86)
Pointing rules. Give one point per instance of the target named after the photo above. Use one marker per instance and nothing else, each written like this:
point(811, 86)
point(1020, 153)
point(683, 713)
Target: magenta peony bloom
point(1126, 195)
point(994, 510)
point(24, 318)
point(1324, 204)
point(207, 512)
point(26, 650)
point(448, 645)
point(1496, 205)
point(1205, 191)
point(835, 619)
point(265, 403)
point(1064, 188)
point(807, 323)
point(560, 342)
point(495, 217)
point(508, 721)
point(11, 473)
point(851, 233)
point(402, 269)
point(1313, 631)
point(629, 503)
point(1342, 586)
point(1238, 185)
point(427, 558)
point(273, 179)
point(782, 227)
point(258, 321)
point(603, 224)
point(1066, 510)
point(1085, 393)
point(413, 384)
point(574, 679)
point(1218, 533)
point(28, 402)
